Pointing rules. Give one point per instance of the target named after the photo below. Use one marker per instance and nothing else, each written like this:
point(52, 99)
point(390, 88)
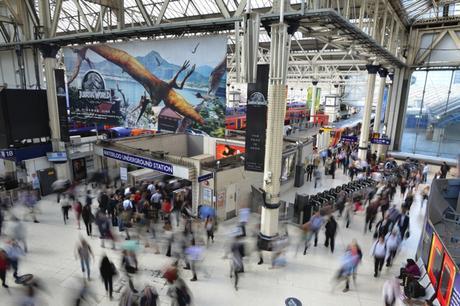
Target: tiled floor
point(308, 278)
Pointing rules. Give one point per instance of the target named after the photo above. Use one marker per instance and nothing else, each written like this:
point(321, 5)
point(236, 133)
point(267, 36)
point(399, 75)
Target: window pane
point(432, 123)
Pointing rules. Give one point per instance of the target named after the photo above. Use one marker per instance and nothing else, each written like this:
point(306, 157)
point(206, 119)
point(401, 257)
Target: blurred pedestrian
point(88, 218)
point(315, 224)
point(392, 242)
point(349, 261)
point(331, 230)
point(317, 177)
point(108, 271)
point(19, 232)
point(14, 253)
point(65, 207)
point(78, 208)
point(4, 265)
point(391, 291)
point(149, 297)
point(84, 252)
point(237, 254)
point(36, 185)
point(209, 226)
point(31, 204)
point(379, 252)
point(180, 293)
point(403, 223)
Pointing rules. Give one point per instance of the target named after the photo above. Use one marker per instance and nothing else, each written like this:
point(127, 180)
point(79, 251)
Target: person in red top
point(3, 267)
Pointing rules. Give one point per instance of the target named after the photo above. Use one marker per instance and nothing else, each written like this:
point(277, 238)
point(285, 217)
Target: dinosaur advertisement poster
point(140, 84)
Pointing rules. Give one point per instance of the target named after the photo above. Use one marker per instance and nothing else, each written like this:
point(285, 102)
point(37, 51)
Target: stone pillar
point(378, 110)
point(313, 100)
point(364, 137)
point(280, 45)
point(49, 60)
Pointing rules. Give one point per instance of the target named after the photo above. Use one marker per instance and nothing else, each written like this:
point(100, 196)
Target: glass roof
point(426, 9)
point(71, 18)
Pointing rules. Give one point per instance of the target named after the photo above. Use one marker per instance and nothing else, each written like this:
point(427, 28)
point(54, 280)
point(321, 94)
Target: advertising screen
point(226, 150)
point(435, 261)
point(128, 84)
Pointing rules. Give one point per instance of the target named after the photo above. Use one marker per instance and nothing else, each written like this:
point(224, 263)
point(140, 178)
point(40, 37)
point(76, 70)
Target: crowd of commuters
point(147, 212)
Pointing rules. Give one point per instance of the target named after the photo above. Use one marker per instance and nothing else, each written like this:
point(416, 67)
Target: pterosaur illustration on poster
point(169, 84)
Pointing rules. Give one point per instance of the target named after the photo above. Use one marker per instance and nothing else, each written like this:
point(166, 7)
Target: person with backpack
point(379, 252)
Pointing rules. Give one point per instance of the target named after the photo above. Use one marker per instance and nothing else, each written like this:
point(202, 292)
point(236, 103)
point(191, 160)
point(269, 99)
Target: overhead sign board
point(205, 177)
point(381, 141)
point(123, 174)
point(7, 154)
point(175, 170)
point(349, 138)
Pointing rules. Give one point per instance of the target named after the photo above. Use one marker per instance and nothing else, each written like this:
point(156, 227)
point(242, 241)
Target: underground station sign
point(140, 161)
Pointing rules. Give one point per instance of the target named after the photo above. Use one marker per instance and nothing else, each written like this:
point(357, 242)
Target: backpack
point(183, 298)
point(316, 223)
point(414, 290)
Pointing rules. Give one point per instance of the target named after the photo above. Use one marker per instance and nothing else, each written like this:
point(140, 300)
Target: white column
point(313, 100)
point(364, 137)
point(49, 61)
point(378, 110)
point(274, 138)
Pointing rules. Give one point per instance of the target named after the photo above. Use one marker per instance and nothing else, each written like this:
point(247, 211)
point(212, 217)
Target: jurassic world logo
point(93, 87)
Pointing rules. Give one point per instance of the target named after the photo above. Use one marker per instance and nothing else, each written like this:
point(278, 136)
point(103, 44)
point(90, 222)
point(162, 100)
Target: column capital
point(383, 72)
point(391, 75)
point(372, 69)
point(49, 50)
point(314, 83)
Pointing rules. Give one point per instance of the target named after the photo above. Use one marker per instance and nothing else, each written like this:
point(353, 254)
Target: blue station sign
point(140, 161)
point(205, 177)
point(381, 141)
point(349, 138)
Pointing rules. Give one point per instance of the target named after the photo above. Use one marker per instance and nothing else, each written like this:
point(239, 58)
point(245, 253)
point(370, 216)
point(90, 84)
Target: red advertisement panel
point(227, 150)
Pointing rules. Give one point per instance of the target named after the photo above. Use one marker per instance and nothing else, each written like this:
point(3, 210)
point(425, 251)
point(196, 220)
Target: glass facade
point(432, 122)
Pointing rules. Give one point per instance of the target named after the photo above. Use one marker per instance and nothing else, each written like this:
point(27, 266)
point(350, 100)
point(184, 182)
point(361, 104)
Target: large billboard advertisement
point(133, 84)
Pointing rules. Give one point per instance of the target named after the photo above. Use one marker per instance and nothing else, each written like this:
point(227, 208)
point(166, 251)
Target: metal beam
point(11, 7)
point(162, 12)
point(54, 22)
point(223, 8)
point(113, 4)
point(143, 11)
point(240, 8)
point(430, 48)
point(82, 15)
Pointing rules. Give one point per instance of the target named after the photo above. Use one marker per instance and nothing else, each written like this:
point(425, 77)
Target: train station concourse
point(229, 152)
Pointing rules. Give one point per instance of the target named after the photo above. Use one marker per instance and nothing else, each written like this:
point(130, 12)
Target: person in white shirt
point(392, 242)
point(127, 204)
point(151, 187)
point(391, 291)
point(379, 252)
point(426, 170)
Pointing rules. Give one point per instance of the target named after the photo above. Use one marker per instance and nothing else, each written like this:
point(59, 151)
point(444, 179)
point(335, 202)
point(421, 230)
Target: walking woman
point(108, 271)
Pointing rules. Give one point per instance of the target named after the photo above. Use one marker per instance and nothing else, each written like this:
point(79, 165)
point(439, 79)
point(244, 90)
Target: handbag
point(407, 234)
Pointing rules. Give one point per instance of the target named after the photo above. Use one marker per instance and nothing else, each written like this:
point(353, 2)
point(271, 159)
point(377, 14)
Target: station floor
point(308, 278)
